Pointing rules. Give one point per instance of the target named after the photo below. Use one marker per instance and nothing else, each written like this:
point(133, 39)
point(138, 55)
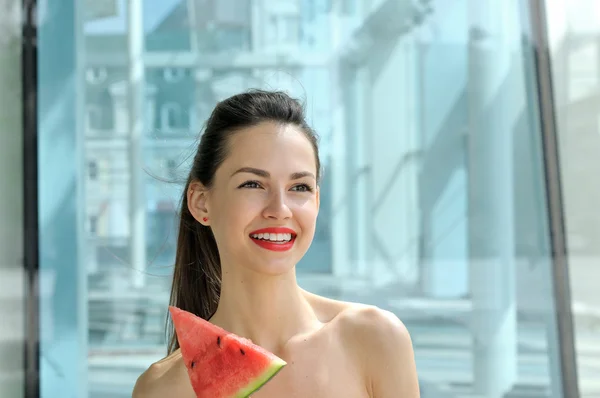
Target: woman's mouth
point(274, 239)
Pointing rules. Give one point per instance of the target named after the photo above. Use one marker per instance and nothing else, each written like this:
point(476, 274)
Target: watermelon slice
point(221, 364)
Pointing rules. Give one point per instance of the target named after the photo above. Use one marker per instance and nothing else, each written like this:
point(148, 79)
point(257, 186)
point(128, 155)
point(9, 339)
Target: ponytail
point(197, 275)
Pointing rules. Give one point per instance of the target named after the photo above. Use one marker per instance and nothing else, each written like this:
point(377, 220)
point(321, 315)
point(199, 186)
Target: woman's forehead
point(271, 142)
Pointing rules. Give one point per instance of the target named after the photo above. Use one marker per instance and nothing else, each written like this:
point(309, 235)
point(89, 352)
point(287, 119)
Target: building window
point(173, 118)
point(93, 169)
point(172, 169)
point(149, 114)
point(93, 225)
point(93, 117)
point(96, 75)
point(173, 75)
point(290, 30)
point(271, 30)
point(283, 30)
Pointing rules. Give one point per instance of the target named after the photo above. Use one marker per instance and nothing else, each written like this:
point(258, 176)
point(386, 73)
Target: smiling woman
point(248, 216)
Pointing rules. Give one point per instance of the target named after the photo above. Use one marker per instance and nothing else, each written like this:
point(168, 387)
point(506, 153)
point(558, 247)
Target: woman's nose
point(277, 207)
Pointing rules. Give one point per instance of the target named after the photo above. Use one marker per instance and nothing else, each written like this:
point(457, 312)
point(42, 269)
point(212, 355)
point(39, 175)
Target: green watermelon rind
point(270, 372)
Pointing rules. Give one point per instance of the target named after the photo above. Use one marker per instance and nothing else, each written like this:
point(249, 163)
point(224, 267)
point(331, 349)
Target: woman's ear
point(197, 196)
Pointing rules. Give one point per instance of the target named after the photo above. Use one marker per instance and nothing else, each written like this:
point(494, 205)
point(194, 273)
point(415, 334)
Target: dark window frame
point(29, 58)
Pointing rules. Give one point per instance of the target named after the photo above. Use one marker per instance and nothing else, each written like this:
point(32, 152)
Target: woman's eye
point(250, 184)
point(302, 188)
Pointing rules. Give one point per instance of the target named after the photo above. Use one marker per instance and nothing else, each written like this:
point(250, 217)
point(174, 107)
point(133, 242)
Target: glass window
point(94, 118)
point(93, 169)
point(573, 29)
point(290, 31)
point(96, 75)
point(93, 226)
point(12, 267)
point(432, 204)
point(172, 117)
point(173, 75)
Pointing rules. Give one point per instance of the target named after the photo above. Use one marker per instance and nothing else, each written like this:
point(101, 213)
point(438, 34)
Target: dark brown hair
point(197, 276)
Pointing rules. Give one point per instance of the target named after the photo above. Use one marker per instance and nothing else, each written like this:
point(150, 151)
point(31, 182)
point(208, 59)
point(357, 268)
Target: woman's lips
point(275, 238)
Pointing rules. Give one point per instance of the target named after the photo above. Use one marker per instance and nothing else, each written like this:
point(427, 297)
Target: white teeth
point(273, 237)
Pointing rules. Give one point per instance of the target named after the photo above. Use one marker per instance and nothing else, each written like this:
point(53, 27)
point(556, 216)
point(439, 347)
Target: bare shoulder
point(383, 344)
point(372, 327)
point(378, 341)
point(356, 317)
point(163, 379)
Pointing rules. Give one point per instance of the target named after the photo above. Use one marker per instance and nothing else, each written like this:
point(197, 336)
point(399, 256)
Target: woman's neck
point(269, 310)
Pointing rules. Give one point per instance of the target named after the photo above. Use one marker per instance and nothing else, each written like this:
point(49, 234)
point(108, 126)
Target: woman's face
point(264, 201)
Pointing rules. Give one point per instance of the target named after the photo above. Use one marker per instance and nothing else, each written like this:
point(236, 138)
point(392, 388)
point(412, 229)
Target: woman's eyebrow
point(266, 174)
point(302, 174)
point(252, 170)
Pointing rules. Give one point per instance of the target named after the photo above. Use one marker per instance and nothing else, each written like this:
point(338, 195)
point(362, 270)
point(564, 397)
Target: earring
point(205, 219)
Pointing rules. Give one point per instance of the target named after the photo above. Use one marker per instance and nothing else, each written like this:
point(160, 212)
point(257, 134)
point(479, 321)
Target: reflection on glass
point(573, 30)
point(12, 276)
point(432, 199)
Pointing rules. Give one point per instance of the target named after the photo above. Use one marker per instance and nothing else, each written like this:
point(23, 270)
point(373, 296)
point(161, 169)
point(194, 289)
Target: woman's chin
point(267, 262)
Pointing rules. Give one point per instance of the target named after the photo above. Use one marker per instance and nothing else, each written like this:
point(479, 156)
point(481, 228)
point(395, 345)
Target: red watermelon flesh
point(221, 364)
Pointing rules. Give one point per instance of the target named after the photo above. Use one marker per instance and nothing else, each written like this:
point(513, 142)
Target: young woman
point(248, 215)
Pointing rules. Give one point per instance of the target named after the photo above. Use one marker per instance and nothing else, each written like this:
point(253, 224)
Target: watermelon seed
point(242, 351)
point(219, 341)
point(193, 364)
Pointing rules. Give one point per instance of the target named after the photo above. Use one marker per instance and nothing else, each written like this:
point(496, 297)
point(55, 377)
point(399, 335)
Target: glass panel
point(61, 165)
point(574, 34)
point(12, 276)
point(432, 203)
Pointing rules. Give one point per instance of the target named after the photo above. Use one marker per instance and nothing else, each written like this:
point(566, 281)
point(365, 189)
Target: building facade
point(443, 198)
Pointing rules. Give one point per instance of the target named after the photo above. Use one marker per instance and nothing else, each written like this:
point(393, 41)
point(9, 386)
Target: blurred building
point(438, 197)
